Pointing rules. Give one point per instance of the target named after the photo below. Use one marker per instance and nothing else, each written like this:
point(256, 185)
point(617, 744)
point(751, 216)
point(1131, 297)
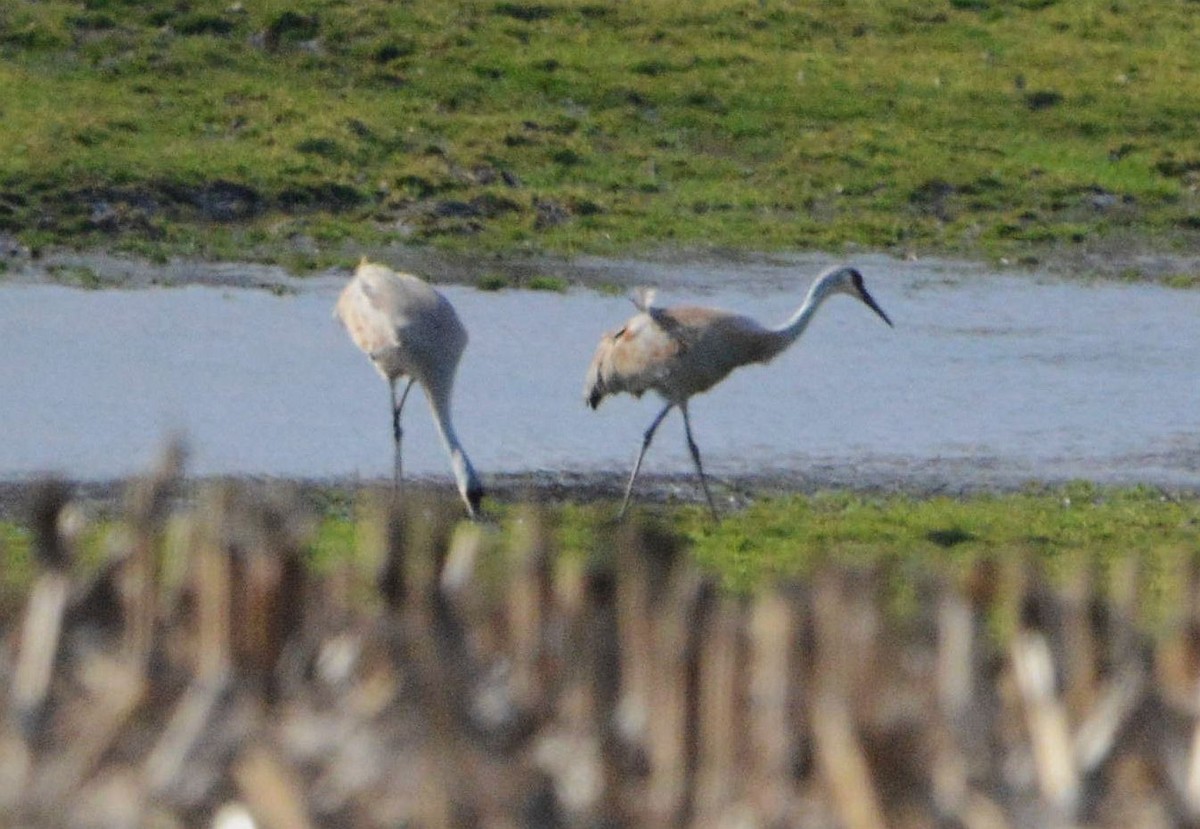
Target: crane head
point(856, 288)
point(474, 498)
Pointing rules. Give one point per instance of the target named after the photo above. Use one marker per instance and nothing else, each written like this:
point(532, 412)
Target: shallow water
point(986, 380)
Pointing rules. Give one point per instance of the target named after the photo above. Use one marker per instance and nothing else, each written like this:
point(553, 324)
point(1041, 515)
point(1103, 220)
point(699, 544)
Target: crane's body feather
point(676, 352)
point(406, 327)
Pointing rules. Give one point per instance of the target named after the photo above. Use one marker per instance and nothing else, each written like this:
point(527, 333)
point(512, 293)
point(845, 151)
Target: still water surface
point(985, 380)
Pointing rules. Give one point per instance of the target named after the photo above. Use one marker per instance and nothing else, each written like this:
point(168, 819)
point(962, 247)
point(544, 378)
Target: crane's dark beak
point(475, 501)
point(872, 304)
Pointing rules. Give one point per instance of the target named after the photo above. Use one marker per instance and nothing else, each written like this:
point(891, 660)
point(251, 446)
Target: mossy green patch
point(493, 282)
point(554, 284)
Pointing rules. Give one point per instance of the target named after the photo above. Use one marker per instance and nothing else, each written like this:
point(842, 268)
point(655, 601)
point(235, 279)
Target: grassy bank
point(302, 131)
point(780, 538)
point(789, 536)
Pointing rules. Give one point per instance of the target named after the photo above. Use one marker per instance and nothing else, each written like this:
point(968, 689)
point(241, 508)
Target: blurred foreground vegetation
point(228, 651)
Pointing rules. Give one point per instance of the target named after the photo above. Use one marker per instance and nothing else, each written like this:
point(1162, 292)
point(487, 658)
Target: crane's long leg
point(646, 438)
point(687, 428)
point(397, 430)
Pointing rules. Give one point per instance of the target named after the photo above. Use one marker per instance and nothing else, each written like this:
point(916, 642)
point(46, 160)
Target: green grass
point(786, 537)
point(232, 131)
point(553, 284)
point(16, 564)
point(1061, 532)
point(538, 282)
point(1058, 533)
point(493, 282)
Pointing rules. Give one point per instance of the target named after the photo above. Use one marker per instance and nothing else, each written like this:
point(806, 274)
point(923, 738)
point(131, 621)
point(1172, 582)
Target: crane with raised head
point(682, 351)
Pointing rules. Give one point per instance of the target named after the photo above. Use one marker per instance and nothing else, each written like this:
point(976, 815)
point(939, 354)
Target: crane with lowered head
point(411, 333)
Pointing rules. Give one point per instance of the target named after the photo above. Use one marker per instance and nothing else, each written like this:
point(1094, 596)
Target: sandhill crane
point(679, 352)
point(411, 333)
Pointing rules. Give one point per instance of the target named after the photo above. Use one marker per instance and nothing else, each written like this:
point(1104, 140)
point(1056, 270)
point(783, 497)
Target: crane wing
point(643, 299)
point(633, 359)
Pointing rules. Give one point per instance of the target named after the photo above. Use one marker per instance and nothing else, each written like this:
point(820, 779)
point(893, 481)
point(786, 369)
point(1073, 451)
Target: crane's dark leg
point(687, 427)
point(397, 430)
point(646, 438)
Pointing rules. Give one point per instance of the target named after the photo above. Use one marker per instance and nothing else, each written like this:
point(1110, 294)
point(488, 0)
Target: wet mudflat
point(987, 381)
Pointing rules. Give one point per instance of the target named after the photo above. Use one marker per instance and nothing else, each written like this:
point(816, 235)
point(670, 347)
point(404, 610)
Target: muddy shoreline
point(543, 487)
point(1129, 258)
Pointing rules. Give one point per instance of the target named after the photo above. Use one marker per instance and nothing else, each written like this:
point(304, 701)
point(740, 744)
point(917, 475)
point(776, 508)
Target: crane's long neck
point(464, 473)
point(786, 334)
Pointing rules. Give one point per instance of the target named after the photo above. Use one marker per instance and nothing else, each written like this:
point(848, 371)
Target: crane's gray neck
point(824, 286)
point(469, 486)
